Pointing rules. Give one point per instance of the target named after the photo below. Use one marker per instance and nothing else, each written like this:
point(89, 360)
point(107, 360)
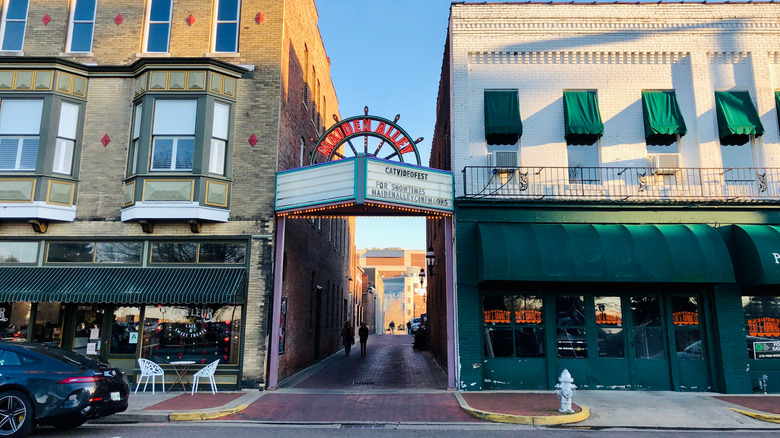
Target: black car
point(49, 386)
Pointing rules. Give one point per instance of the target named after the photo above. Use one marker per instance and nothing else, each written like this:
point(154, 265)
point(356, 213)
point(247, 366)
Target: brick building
point(138, 150)
point(616, 176)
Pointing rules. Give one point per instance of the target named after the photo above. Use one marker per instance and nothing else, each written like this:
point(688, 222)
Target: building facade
point(138, 151)
point(616, 183)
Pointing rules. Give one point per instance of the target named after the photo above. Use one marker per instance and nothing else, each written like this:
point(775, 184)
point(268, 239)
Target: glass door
point(647, 350)
point(689, 344)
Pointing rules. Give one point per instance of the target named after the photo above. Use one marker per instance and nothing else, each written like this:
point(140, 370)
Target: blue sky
point(387, 54)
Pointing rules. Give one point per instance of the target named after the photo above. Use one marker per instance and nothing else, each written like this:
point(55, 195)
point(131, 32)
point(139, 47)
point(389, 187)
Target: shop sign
point(386, 130)
point(766, 350)
point(764, 327)
point(685, 318)
point(196, 328)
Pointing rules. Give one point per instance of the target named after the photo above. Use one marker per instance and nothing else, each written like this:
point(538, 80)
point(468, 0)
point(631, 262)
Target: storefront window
point(118, 252)
point(762, 326)
point(648, 332)
point(14, 318)
point(48, 323)
point(124, 330)
point(570, 321)
point(174, 252)
point(201, 333)
point(70, 252)
point(687, 330)
point(18, 252)
point(609, 325)
point(89, 319)
point(513, 326)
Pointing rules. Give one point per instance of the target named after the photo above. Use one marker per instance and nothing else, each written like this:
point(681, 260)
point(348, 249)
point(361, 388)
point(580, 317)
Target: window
point(14, 22)
point(219, 137)
point(173, 135)
point(762, 324)
point(66, 138)
point(226, 26)
point(687, 331)
point(18, 252)
point(193, 252)
point(158, 28)
point(123, 329)
point(583, 163)
point(139, 109)
point(513, 326)
point(648, 331)
point(572, 337)
point(20, 124)
point(201, 334)
point(94, 252)
point(609, 327)
point(82, 25)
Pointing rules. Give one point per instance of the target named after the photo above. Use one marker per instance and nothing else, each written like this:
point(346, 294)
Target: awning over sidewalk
point(737, 117)
point(502, 117)
point(756, 254)
point(602, 253)
point(581, 117)
point(662, 116)
point(123, 285)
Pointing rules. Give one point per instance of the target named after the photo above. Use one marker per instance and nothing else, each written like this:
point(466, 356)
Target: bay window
point(173, 135)
point(20, 124)
point(219, 138)
point(66, 138)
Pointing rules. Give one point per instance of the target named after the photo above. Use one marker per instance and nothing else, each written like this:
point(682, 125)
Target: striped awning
point(123, 285)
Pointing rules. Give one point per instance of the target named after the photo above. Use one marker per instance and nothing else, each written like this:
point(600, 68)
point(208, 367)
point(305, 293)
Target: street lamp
point(430, 258)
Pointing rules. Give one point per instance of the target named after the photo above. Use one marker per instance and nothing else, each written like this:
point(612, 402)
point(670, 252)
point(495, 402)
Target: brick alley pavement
point(393, 383)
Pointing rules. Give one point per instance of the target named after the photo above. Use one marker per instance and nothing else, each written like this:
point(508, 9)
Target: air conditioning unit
point(665, 164)
point(502, 159)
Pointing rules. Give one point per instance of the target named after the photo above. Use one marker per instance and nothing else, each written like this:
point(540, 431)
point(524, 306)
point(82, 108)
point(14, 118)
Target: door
point(647, 347)
point(317, 323)
point(689, 346)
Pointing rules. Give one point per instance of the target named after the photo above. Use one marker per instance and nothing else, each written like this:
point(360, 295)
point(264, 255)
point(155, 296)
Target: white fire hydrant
point(565, 391)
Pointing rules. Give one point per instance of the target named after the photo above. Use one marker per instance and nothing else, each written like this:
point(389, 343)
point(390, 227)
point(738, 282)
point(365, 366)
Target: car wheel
point(70, 424)
point(16, 414)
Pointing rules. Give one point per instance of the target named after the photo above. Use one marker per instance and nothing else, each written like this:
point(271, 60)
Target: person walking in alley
point(347, 337)
point(392, 327)
point(363, 335)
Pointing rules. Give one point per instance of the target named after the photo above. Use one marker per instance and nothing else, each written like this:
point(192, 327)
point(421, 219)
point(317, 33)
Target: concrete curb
point(211, 415)
point(536, 420)
point(771, 418)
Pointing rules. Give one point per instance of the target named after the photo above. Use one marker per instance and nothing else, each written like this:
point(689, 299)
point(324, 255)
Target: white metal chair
point(207, 371)
point(150, 369)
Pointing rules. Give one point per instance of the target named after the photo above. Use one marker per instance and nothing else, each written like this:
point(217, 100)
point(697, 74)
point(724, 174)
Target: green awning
point(602, 253)
point(756, 254)
point(581, 117)
point(777, 104)
point(502, 117)
point(123, 285)
point(737, 117)
point(662, 116)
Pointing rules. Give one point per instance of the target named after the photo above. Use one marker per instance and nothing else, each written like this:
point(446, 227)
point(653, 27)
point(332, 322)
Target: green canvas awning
point(737, 116)
point(581, 117)
point(502, 117)
point(662, 117)
point(123, 285)
point(756, 254)
point(602, 253)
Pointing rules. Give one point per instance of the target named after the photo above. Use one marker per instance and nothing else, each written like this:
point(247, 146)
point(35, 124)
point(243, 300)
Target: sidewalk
point(395, 384)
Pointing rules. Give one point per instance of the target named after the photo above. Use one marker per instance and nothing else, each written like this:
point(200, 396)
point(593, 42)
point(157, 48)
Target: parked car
point(415, 325)
point(41, 385)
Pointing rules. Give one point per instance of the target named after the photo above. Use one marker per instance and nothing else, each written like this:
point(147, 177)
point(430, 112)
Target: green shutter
point(777, 104)
point(737, 116)
point(581, 117)
point(662, 116)
point(502, 117)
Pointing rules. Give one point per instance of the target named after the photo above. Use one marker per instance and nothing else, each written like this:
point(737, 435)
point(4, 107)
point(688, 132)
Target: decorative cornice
point(127, 70)
point(566, 57)
point(606, 24)
point(727, 57)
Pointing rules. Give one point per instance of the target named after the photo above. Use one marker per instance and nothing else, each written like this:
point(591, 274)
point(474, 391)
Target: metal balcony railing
point(626, 184)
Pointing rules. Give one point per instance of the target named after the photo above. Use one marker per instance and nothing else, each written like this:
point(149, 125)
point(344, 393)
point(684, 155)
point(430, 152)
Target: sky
point(387, 55)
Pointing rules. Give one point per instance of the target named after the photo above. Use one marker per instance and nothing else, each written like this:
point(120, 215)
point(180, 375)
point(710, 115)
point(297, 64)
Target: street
point(239, 430)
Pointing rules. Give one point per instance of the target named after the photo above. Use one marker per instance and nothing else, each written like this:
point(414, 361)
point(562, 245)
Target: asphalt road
point(240, 430)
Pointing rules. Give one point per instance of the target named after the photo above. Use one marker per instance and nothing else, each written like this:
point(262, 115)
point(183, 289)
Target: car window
point(68, 357)
point(9, 358)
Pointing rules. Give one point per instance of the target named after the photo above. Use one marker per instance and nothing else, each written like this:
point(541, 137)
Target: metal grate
point(363, 383)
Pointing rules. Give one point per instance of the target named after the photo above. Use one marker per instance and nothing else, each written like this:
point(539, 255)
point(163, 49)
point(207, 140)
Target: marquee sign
point(349, 178)
point(393, 142)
